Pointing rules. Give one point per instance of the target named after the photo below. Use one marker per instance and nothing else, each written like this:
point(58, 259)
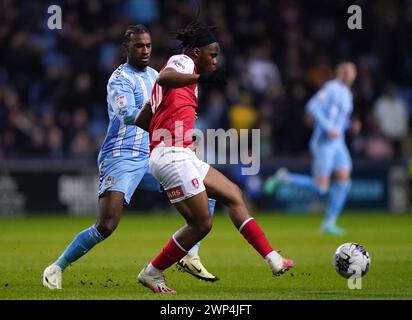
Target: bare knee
point(342, 175)
point(110, 209)
point(106, 227)
point(204, 226)
point(322, 184)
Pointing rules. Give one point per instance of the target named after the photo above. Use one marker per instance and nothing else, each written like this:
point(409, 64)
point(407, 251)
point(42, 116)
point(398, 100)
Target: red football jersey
point(174, 110)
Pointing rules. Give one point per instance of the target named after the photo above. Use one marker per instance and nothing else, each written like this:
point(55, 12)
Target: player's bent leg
point(191, 263)
point(195, 249)
point(110, 208)
point(81, 244)
point(195, 210)
point(222, 189)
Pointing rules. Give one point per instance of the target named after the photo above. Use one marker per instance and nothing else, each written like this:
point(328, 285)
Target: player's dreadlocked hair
point(196, 34)
point(138, 28)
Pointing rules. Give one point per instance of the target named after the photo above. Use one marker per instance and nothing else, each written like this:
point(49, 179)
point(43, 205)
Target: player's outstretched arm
point(170, 78)
point(144, 117)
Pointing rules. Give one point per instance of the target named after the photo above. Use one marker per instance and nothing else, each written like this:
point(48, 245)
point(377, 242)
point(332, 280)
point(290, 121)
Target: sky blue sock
point(80, 245)
point(337, 197)
point(195, 248)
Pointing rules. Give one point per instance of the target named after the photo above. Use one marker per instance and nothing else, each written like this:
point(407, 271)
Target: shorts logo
point(195, 183)
point(175, 193)
point(109, 181)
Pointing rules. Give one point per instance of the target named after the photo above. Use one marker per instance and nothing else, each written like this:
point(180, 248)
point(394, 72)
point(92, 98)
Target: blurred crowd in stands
point(277, 53)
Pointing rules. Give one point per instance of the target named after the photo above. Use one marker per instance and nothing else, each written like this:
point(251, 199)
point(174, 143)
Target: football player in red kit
point(188, 181)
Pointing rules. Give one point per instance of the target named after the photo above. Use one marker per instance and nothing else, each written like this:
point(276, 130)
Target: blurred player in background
point(187, 180)
point(123, 160)
point(331, 109)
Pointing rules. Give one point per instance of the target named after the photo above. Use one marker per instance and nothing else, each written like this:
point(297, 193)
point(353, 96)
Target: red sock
point(170, 254)
point(255, 236)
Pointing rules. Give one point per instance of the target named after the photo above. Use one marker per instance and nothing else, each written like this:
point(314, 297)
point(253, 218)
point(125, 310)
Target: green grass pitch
point(28, 245)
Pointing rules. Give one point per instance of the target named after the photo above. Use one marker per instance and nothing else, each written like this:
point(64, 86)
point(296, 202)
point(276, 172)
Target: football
point(351, 260)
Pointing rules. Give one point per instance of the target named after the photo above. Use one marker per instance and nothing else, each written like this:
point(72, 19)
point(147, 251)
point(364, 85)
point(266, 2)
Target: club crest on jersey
point(109, 181)
point(121, 101)
point(179, 65)
point(195, 183)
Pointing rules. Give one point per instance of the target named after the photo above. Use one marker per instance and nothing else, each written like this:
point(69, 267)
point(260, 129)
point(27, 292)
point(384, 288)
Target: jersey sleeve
point(123, 96)
point(181, 63)
point(317, 106)
point(348, 124)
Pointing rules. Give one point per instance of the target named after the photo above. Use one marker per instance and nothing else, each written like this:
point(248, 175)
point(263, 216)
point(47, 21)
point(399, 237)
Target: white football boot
point(278, 264)
point(154, 281)
point(193, 266)
point(52, 277)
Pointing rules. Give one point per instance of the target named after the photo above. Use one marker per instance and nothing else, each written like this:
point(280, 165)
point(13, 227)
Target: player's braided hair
point(137, 28)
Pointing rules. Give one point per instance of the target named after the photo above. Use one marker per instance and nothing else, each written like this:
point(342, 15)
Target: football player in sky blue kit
point(123, 160)
point(331, 109)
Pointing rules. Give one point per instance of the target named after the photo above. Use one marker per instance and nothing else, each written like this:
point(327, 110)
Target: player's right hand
point(217, 77)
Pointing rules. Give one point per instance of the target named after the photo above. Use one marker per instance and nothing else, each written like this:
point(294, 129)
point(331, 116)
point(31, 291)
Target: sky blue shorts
point(329, 157)
point(126, 174)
